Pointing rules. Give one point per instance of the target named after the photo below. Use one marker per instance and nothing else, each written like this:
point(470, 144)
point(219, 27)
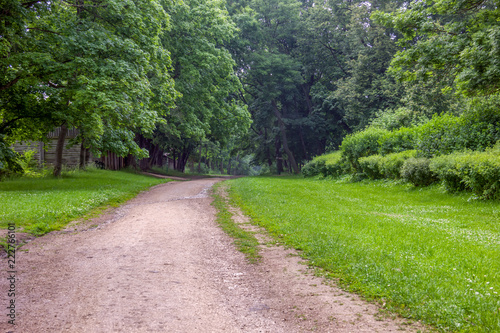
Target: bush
point(361, 144)
point(417, 172)
point(398, 141)
point(392, 163)
point(313, 167)
point(478, 172)
point(445, 167)
point(9, 160)
point(389, 166)
point(477, 128)
point(438, 136)
point(325, 165)
point(371, 166)
point(480, 124)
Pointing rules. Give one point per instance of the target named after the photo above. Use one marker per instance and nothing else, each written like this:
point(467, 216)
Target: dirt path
point(161, 264)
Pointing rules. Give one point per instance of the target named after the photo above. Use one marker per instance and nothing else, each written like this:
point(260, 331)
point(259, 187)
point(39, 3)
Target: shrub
point(370, 166)
point(445, 167)
point(417, 172)
point(398, 141)
point(392, 163)
point(438, 136)
point(478, 172)
point(9, 160)
point(325, 165)
point(313, 167)
point(480, 124)
point(477, 128)
point(361, 144)
point(335, 165)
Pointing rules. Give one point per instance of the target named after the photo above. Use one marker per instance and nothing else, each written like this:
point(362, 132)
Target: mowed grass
point(428, 255)
point(41, 205)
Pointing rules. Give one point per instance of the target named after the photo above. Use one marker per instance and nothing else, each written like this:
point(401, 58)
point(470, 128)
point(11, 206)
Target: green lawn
point(39, 205)
point(427, 254)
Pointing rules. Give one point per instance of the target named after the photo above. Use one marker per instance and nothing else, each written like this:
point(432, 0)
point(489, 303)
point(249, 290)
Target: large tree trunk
point(291, 158)
point(59, 150)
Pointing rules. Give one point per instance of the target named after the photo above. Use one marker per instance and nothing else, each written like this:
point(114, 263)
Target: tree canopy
point(278, 80)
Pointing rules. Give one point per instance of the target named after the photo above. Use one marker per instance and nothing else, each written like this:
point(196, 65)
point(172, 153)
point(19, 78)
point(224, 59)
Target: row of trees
point(164, 76)
point(117, 70)
point(313, 72)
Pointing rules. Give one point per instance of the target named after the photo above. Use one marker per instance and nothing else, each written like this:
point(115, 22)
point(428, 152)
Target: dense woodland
point(268, 83)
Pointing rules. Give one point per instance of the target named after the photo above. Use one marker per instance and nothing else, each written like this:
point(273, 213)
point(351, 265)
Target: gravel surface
point(160, 263)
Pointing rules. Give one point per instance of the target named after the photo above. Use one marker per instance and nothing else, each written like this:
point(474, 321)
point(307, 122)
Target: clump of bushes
point(371, 166)
point(392, 163)
point(361, 144)
point(329, 165)
point(418, 172)
point(388, 166)
point(453, 149)
point(478, 172)
point(398, 141)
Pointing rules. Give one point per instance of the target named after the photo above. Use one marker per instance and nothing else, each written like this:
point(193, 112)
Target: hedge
point(361, 144)
point(325, 165)
point(392, 163)
point(478, 172)
point(417, 171)
point(389, 166)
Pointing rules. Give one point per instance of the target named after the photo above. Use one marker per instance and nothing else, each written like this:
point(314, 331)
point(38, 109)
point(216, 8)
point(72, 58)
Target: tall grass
point(40, 205)
point(426, 254)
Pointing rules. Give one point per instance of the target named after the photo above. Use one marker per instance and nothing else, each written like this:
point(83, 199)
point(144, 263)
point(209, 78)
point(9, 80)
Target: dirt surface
point(160, 263)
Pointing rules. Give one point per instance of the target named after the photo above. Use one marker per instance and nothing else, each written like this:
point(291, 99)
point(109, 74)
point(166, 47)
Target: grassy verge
point(428, 255)
point(244, 240)
point(40, 205)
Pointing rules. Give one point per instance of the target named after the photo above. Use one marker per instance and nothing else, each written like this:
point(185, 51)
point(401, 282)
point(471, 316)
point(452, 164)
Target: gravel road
point(160, 263)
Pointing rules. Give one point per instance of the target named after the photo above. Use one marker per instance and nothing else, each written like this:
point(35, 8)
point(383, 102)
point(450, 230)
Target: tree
point(451, 43)
point(204, 76)
point(93, 62)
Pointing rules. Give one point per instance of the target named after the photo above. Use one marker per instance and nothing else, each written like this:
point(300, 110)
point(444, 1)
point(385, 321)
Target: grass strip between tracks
point(244, 240)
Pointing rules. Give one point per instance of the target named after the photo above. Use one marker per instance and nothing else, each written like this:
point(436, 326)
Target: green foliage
point(371, 166)
point(44, 204)
point(388, 166)
point(449, 42)
point(361, 144)
point(438, 136)
point(418, 172)
point(477, 128)
point(392, 164)
point(328, 165)
point(398, 140)
point(478, 172)
point(426, 254)
point(445, 167)
point(8, 159)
